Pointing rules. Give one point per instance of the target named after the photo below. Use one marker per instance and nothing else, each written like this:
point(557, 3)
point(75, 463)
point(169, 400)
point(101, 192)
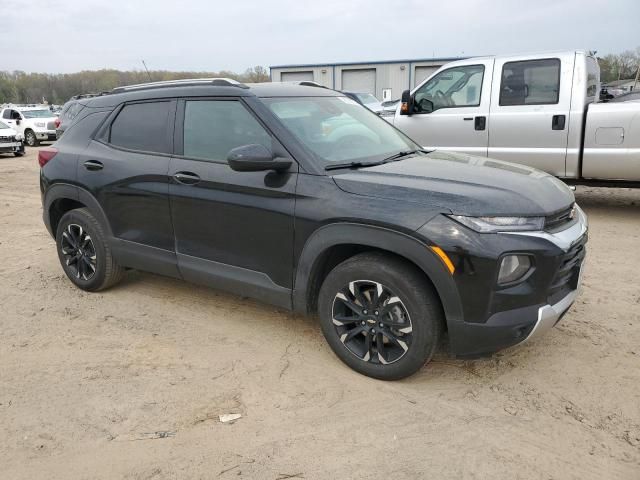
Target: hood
point(461, 184)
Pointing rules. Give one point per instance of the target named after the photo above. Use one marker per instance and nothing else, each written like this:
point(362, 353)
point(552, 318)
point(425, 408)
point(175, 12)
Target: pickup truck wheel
point(84, 253)
point(30, 138)
point(380, 316)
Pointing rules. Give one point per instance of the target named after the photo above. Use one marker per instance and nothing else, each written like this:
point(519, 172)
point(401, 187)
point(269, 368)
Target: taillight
point(57, 122)
point(45, 155)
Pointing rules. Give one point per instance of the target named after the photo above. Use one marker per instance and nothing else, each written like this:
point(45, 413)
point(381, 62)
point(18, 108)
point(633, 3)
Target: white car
point(10, 140)
point(35, 124)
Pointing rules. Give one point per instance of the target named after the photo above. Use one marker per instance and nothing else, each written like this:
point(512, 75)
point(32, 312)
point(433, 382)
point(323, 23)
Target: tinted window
point(532, 82)
point(6, 114)
point(454, 87)
point(214, 127)
point(142, 126)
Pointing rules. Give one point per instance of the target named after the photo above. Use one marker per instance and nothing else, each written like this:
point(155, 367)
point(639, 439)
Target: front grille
point(7, 139)
point(568, 273)
point(560, 220)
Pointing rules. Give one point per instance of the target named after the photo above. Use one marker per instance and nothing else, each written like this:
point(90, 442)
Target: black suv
point(298, 196)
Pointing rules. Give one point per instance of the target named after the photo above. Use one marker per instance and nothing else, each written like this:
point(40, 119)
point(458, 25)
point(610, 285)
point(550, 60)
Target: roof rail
point(187, 82)
point(309, 83)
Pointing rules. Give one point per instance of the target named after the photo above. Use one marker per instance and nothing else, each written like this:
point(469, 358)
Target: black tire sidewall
point(88, 223)
point(414, 292)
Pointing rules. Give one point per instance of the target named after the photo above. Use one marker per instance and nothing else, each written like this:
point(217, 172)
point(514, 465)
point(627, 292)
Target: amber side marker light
point(445, 259)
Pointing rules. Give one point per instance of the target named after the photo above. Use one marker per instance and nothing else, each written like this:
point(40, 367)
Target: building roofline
point(374, 62)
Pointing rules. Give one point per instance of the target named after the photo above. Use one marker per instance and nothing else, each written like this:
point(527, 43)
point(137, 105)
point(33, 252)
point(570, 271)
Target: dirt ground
point(129, 383)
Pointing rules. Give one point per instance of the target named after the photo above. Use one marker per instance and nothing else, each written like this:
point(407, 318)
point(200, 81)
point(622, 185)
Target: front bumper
point(11, 147)
point(550, 315)
point(45, 134)
point(496, 317)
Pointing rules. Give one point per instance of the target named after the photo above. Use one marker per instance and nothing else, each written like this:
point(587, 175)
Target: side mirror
point(255, 158)
point(425, 105)
point(17, 121)
point(406, 105)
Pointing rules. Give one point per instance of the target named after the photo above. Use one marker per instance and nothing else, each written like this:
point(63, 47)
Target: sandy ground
point(129, 383)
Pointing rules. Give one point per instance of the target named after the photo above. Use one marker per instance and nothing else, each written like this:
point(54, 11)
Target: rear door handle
point(480, 123)
point(557, 122)
point(93, 165)
point(186, 178)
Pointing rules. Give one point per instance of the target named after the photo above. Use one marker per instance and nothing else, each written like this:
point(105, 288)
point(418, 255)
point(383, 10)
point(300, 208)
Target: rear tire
point(84, 253)
point(380, 315)
point(30, 138)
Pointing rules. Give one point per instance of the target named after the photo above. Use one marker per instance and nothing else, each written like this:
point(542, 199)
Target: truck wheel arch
point(370, 237)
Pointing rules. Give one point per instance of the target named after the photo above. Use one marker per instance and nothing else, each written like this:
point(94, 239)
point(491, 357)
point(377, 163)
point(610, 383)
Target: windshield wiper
point(392, 158)
point(404, 153)
point(336, 166)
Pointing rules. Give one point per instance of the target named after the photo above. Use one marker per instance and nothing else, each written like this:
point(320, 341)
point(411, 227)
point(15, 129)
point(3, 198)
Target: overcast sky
point(211, 35)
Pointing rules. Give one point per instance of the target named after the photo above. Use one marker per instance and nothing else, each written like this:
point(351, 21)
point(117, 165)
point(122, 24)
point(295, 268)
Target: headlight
point(513, 268)
point(500, 224)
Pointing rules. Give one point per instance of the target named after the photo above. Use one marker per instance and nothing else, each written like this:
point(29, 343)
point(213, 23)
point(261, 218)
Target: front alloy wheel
point(372, 322)
point(380, 315)
point(78, 252)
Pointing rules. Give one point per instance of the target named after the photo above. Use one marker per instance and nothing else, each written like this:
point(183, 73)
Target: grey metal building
point(386, 80)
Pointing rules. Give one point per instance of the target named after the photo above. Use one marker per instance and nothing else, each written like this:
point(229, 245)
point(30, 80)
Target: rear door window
point(530, 82)
point(142, 127)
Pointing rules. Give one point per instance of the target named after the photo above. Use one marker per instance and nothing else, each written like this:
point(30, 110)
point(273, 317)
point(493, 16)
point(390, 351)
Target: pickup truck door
point(451, 109)
point(530, 106)
point(11, 117)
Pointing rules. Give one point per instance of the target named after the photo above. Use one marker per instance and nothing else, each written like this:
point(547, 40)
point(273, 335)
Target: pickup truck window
point(530, 82)
point(454, 87)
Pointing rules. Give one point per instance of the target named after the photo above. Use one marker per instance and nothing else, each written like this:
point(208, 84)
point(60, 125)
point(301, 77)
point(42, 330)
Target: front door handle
point(93, 165)
point(186, 178)
point(557, 122)
point(480, 123)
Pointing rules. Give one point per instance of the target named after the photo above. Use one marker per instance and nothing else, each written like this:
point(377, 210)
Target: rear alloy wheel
point(30, 138)
point(84, 252)
point(78, 252)
point(380, 315)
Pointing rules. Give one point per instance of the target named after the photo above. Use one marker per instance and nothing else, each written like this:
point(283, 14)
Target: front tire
point(30, 138)
point(84, 253)
point(380, 315)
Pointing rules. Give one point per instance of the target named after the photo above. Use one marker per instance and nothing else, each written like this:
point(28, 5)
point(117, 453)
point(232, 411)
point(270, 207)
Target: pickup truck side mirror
point(255, 158)
point(406, 103)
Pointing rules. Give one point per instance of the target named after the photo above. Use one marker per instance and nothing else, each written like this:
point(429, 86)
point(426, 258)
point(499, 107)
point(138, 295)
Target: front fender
point(376, 237)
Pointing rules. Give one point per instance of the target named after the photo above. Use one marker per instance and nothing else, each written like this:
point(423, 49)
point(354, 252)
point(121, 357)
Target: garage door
point(296, 76)
point(422, 73)
point(360, 81)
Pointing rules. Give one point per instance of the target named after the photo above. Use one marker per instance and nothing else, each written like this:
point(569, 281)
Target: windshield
point(3, 126)
point(367, 98)
point(338, 129)
point(37, 113)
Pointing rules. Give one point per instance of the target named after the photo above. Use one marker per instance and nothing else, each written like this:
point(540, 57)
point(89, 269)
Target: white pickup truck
point(35, 124)
point(540, 110)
